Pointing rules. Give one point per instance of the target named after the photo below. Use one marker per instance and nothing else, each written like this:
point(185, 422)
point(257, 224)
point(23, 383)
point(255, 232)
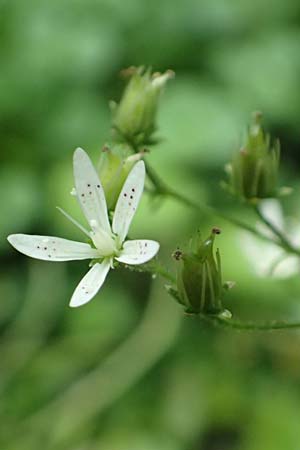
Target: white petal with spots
point(128, 200)
point(89, 190)
point(51, 248)
point(138, 251)
point(91, 198)
point(90, 284)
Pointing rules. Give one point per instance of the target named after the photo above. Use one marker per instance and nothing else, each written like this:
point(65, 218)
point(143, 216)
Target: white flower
point(109, 240)
point(268, 258)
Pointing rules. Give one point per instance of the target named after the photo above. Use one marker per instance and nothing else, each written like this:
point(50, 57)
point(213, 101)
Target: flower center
point(103, 241)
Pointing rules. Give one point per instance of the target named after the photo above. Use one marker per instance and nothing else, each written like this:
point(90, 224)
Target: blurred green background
point(129, 371)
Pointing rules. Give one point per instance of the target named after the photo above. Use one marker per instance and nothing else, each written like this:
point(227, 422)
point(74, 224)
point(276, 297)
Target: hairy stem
point(259, 326)
point(237, 324)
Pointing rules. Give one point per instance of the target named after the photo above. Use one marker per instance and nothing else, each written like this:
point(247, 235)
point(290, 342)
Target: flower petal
point(128, 200)
point(51, 248)
point(138, 251)
point(90, 284)
point(89, 190)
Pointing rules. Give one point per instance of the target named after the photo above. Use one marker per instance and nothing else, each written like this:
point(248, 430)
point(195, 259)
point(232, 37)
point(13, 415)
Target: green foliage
point(127, 371)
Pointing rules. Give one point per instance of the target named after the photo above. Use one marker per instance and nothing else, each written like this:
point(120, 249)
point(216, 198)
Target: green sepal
point(199, 277)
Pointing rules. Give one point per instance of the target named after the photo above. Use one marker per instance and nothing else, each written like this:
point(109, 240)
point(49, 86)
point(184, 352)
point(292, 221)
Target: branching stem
point(279, 238)
point(156, 268)
point(282, 239)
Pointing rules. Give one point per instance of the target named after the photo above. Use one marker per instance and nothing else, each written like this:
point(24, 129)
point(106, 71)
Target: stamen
point(77, 224)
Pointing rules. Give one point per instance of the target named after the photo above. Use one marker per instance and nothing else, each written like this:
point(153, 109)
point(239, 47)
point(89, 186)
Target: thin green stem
point(279, 240)
point(239, 324)
point(259, 326)
point(282, 239)
point(155, 268)
point(158, 183)
point(162, 188)
point(268, 325)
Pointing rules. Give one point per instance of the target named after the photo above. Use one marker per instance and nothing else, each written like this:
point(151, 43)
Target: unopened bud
point(135, 116)
point(114, 166)
point(253, 172)
point(199, 278)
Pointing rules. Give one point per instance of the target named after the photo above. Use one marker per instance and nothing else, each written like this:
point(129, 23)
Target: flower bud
point(253, 172)
point(134, 117)
point(114, 166)
point(199, 279)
